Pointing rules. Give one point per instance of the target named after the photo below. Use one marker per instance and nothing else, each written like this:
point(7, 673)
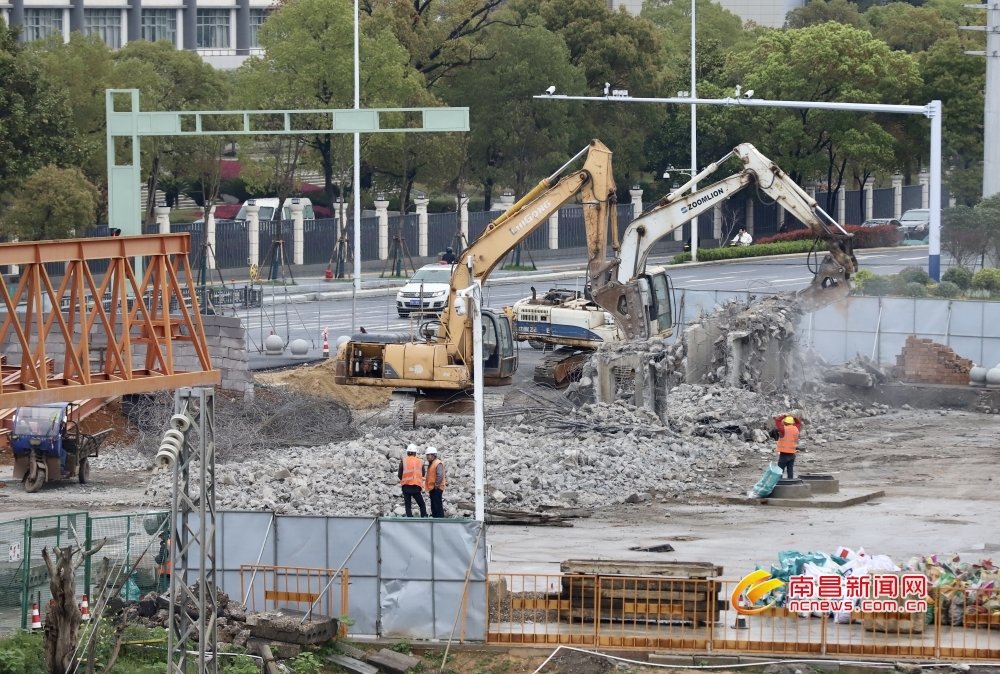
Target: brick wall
point(926, 361)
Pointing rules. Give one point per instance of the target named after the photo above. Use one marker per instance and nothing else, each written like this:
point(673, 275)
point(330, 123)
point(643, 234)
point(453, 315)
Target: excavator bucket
point(829, 285)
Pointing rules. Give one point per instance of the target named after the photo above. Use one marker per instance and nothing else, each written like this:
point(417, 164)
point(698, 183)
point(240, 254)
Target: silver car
point(916, 223)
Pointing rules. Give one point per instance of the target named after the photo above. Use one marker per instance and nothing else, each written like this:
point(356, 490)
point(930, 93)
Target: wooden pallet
point(981, 619)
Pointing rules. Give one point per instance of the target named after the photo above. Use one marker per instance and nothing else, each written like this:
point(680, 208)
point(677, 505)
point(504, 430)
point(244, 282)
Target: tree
point(817, 12)
point(168, 79)
point(513, 138)
point(35, 125)
point(53, 203)
point(958, 81)
point(440, 37)
point(829, 62)
point(62, 620)
point(903, 26)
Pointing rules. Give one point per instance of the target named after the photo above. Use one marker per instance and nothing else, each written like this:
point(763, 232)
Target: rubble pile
point(594, 456)
point(152, 610)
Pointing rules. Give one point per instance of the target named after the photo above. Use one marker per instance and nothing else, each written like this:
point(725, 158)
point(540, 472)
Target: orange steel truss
point(138, 323)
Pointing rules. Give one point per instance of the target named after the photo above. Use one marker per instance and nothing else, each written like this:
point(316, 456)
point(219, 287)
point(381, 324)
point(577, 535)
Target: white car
point(426, 292)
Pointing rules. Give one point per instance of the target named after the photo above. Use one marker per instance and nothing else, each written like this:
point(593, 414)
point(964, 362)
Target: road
point(306, 319)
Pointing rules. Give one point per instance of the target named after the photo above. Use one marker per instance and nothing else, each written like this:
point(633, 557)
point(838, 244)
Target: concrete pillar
point(925, 188)
point(162, 212)
point(210, 237)
point(382, 215)
point(841, 205)
point(717, 223)
point(897, 195)
point(554, 230)
point(749, 218)
point(636, 194)
point(298, 231)
point(253, 232)
point(243, 27)
point(133, 22)
point(17, 16)
point(421, 202)
point(76, 20)
point(868, 194)
point(190, 25)
point(463, 217)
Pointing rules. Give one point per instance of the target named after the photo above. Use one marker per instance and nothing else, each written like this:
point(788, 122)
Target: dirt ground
point(318, 380)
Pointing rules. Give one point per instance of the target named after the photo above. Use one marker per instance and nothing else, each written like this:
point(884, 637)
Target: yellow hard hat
point(789, 420)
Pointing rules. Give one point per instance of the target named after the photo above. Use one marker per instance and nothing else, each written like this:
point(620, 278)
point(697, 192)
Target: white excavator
point(625, 300)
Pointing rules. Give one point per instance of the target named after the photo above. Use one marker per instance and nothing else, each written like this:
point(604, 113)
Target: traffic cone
point(36, 618)
point(84, 609)
point(326, 344)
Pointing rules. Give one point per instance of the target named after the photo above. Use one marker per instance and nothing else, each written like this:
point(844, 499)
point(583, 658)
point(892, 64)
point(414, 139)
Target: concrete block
point(393, 662)
point(791, 489)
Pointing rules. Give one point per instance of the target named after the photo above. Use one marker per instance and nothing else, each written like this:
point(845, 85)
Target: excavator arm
point(595, 185)
point(617, 286)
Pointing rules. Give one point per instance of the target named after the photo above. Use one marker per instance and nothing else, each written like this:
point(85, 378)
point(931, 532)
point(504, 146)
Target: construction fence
point(393, 577)
point(875, 327)
point(124, 562)
point(656, 613)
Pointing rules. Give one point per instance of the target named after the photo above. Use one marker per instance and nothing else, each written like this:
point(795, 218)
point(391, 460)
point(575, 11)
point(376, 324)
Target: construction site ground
point(935, 467)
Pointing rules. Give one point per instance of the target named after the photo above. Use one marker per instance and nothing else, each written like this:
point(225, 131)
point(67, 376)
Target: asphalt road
point(296, 319)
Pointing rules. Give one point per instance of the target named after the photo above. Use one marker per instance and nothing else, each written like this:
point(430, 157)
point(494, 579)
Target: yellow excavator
point(434, 372)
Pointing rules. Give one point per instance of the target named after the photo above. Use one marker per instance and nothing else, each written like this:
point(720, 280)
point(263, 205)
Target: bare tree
point(62, 619)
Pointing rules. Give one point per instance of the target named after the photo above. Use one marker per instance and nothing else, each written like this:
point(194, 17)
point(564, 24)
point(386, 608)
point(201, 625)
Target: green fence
point(132, 544)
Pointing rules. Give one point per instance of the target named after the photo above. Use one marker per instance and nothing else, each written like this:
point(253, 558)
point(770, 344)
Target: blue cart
point(48, 444)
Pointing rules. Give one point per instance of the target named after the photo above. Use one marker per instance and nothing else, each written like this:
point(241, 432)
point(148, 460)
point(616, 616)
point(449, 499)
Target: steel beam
point(136, 323)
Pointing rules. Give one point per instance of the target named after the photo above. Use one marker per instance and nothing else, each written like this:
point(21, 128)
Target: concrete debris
point(861, 372)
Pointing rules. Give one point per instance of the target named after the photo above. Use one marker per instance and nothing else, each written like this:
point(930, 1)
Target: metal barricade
point(645, 612)
point(312, 591)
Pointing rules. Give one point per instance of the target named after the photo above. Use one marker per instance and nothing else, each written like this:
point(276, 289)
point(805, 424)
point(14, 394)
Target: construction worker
point(164, 565)
point(411, 477)
point(434, 483)
point(788, 444)
point(448, 256)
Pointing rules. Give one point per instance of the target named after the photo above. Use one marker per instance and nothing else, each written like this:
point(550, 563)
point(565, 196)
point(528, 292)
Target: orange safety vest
point(167, 566)
point(412, 471)
point(429, 483)
point(789, 441)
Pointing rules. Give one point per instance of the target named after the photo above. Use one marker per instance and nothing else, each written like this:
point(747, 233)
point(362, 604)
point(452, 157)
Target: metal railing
point(309, 590)
point(645, 612)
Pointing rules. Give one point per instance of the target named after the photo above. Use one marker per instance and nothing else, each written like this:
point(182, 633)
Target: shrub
point(864, 237)
point(914, 289)
point(878, 286)
point(987, 279)
point(735, 252)
point(861, 277)
point(947, 289)
point(915, 275)
point(960, 276)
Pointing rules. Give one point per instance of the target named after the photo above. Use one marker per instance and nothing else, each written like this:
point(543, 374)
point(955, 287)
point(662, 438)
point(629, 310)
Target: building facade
point(770, 13)
point(223, 32)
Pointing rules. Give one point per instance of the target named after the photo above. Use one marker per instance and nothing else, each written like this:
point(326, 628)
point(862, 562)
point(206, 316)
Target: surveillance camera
point(666, 175)
point(551, 90)
point(748, 93)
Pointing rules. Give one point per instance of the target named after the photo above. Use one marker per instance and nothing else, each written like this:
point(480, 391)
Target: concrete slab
point(843, 499)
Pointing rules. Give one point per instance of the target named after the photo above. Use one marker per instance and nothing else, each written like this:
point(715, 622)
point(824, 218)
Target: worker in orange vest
point(411, 477)
point(435, 482)
point(788, 444)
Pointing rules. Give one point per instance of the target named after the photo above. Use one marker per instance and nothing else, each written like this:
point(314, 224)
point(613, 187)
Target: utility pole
point(991, 107)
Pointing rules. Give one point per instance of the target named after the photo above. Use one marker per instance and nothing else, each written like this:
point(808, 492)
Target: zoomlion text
point(701, 200)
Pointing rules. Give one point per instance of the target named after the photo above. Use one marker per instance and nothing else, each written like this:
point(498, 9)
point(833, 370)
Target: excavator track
point(402, 408)
point(561, 367)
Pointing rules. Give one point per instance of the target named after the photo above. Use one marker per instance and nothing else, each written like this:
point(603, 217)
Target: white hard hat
point(431, 450)
point(411, 448)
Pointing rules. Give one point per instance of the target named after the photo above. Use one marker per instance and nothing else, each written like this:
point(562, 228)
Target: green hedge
point(754, 250)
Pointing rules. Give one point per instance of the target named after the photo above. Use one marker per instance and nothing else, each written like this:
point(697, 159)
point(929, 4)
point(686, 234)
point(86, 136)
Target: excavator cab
point(499, 354)
point(657, 296)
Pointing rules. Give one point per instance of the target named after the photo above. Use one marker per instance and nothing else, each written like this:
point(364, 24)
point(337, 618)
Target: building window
point(159, 24)
point(213, 29)
point(106, 24)
point(41, 23)
point(257, 17)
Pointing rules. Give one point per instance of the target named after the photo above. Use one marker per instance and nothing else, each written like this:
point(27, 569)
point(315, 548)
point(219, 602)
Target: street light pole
point(356, 285)
point(933, 111)
point(694, 132)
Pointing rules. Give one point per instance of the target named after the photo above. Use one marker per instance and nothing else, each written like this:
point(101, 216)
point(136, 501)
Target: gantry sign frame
point(124, 180)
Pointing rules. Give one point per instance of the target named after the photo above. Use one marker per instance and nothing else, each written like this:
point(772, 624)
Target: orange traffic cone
point(326, 344)
point(84, 609)
point(36, 618)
